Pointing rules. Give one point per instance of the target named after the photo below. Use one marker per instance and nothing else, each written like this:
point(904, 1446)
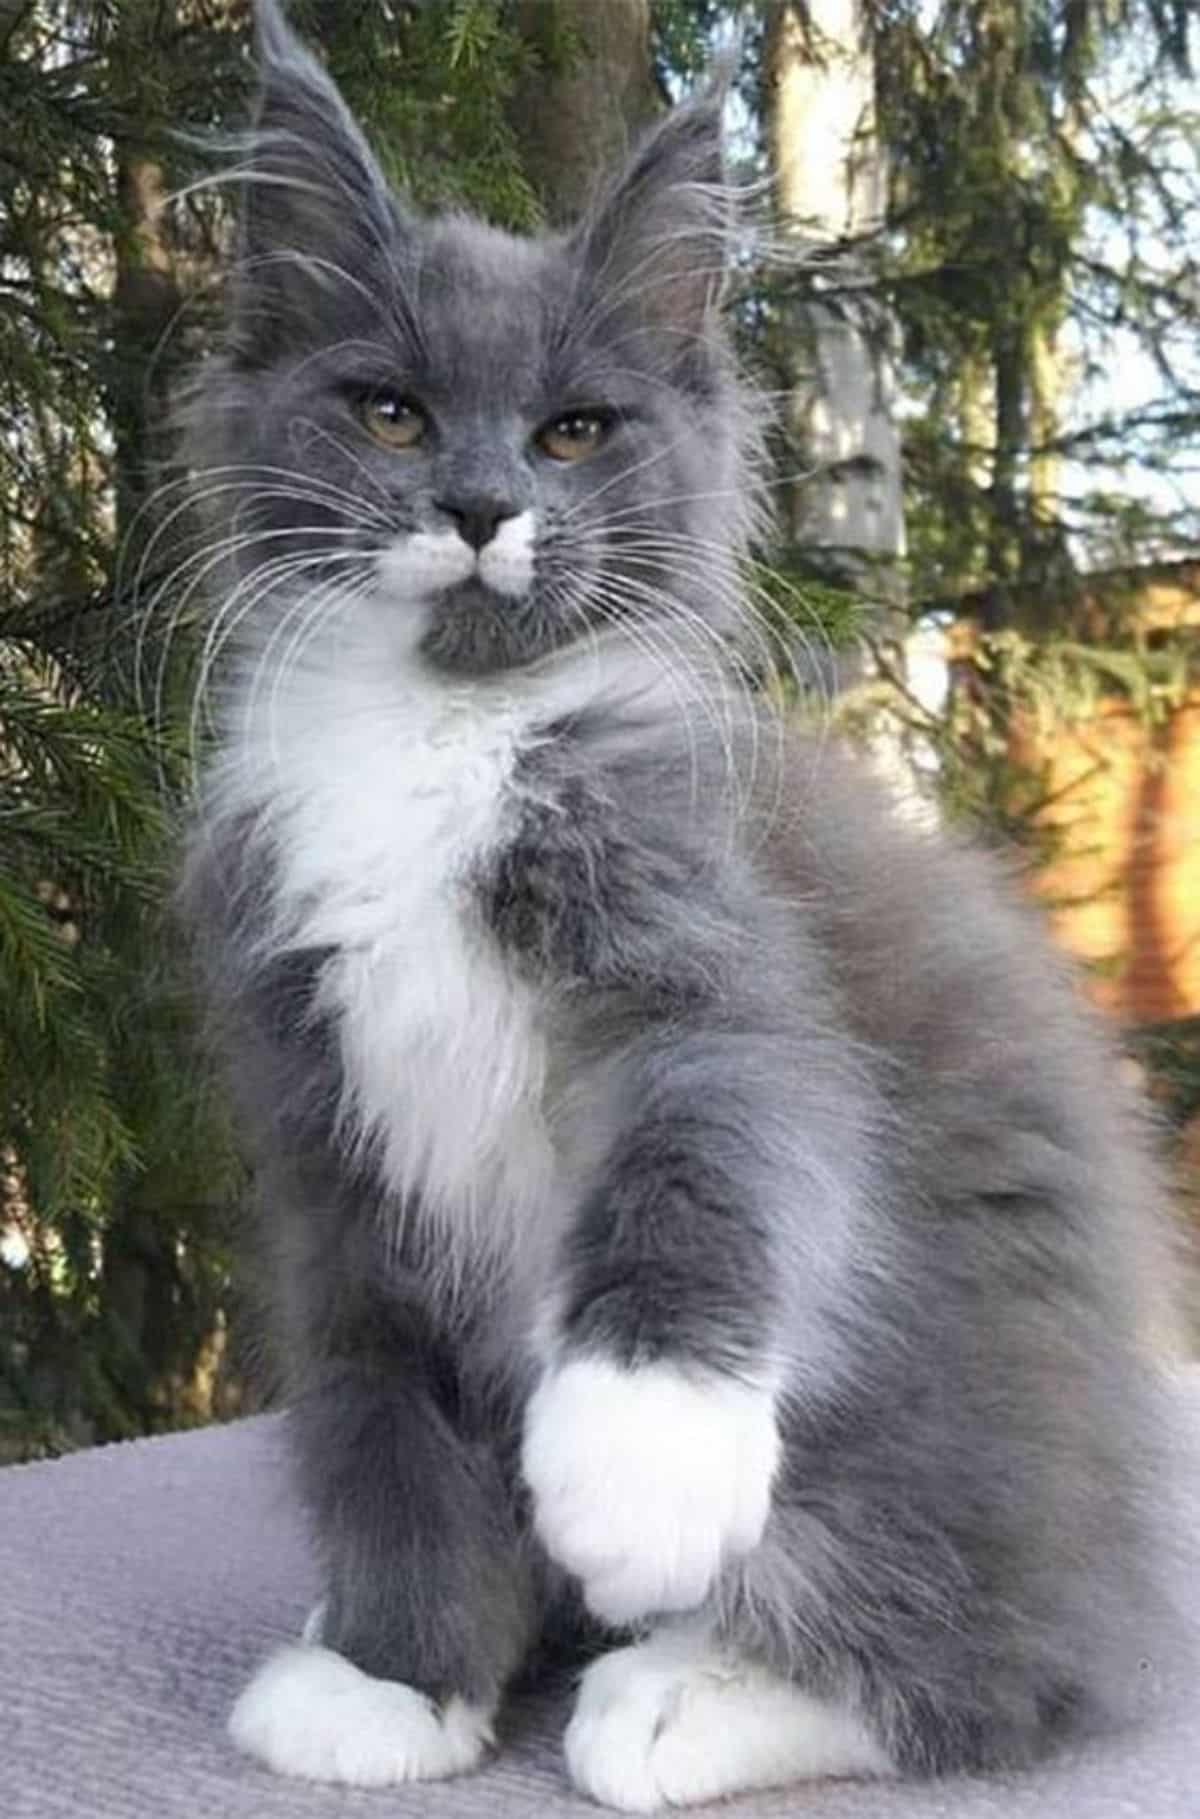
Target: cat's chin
point(474, 630)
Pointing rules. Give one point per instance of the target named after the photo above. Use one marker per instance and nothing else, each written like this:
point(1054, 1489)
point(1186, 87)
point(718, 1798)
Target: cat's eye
point(393, 419)
point(575, 435)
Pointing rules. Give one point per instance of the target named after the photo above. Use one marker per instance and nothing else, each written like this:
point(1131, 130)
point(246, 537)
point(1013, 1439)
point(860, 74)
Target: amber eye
point(575, 435)
point(393, 420)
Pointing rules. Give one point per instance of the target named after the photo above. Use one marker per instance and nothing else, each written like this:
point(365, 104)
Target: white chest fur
point(385, 790)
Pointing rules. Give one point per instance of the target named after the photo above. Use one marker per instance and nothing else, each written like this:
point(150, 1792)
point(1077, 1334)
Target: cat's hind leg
point(681, 1718)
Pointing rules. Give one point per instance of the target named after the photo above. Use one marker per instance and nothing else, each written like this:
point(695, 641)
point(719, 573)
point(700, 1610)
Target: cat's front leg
point(428, 1604)
point(652, 1440)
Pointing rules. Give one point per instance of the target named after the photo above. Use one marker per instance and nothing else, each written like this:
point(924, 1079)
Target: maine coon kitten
point(696, 1211)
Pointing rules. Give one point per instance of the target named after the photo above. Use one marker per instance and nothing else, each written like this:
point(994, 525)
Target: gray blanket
point(140, 1584)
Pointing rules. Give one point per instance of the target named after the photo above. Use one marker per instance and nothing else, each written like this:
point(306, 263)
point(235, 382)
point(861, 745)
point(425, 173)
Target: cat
point(698, 1219)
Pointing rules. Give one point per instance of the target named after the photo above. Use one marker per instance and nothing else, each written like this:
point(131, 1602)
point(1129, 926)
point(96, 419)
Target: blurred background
point(972, 304)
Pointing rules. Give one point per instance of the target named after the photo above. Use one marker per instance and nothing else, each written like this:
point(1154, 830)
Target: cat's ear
point(315, 206)
point(658, 241)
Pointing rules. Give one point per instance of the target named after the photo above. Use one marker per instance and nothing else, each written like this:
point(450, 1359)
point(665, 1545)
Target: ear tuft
point(274, 39)
point(314, 202)
point(659, 238)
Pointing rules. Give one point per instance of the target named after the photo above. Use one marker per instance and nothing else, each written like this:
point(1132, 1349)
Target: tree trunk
point(830, 174)
point(146, 293)
point(145, 305)
point(1047, 384)
point(592, 94)
point(975, 410)
point(1004, 543)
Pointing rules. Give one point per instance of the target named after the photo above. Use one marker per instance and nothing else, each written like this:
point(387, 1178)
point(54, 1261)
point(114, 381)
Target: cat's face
point(508, 442)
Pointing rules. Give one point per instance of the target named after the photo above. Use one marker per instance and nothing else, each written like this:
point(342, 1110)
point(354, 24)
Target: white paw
point(310, 1712)
point(674, 1721)
point(646, 1481)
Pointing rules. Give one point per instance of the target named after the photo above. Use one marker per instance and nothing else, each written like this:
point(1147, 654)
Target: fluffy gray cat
point(698, 1219)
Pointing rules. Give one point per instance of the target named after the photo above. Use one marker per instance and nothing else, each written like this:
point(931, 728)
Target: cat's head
point(509, 442)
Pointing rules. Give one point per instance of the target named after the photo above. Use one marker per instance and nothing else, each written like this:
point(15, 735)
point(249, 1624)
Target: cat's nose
point(478, 518)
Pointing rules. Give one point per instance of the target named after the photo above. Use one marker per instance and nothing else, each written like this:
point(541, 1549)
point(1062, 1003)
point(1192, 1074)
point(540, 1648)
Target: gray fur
point(822, 1097)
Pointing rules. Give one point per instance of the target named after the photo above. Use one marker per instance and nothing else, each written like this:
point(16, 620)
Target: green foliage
point(803, 619)
point(100, 1114)
point(105, 1120)
point(1172, 1054)
point(1062, 679)
point(1039, 265)
point(78, 815)
point(433, 86)
point(1044, 171)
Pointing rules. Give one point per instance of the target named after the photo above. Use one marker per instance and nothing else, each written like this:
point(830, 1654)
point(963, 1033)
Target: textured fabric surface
point(140, 1584)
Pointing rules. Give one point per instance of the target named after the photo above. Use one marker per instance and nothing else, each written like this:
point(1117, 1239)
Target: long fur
point(611, 1060)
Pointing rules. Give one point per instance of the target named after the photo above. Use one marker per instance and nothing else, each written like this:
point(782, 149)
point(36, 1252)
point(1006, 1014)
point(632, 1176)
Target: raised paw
point(311, 1713)
point(645, 1481)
